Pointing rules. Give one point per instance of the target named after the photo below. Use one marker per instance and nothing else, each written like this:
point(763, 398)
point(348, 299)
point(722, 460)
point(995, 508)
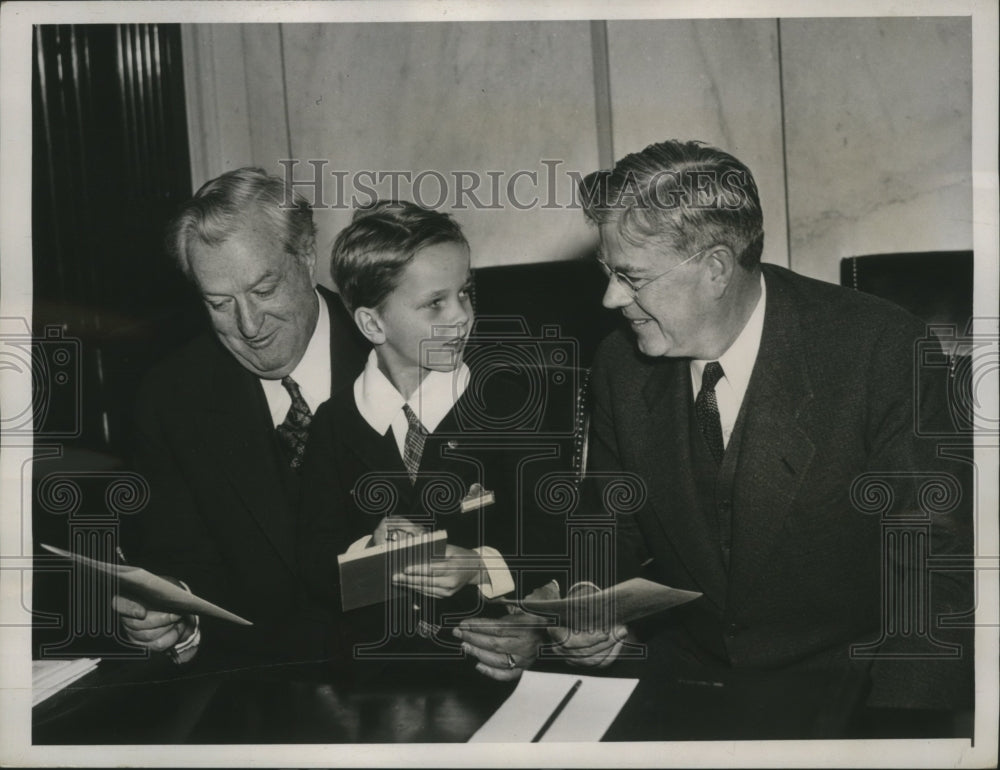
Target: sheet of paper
point(586, 717)
point(50, 676)
point(152, 590)
point(627, 601)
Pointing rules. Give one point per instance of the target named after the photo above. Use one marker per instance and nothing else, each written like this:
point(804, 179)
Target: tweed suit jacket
point(223, 503)
point(832, 401)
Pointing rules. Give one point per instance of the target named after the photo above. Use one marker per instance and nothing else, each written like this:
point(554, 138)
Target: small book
point(366, 574)
point(587, 606)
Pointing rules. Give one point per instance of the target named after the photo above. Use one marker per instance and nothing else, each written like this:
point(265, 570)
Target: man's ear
point(370, 323)
point(721, 263)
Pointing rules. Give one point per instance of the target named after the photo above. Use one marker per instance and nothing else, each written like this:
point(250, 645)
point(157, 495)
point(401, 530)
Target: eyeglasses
point(630, 286)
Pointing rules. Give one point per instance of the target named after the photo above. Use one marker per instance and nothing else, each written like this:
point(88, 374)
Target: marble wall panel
point(215, 86)
point(878, 115)
point(442, 98)
point(713, 79)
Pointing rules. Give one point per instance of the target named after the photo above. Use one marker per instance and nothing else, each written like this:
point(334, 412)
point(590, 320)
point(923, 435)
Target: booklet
point(366, 574)
point(587, 605)
point(152, 590)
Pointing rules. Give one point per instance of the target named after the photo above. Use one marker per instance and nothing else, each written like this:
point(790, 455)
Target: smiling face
point(260, 299)
point(423, 324)
point(673, 315)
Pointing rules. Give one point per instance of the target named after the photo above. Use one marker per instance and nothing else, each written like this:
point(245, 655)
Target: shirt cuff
point(498, 580)
point(185, 650)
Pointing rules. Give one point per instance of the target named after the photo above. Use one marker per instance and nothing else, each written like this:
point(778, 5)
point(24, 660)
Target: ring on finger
point(511, 663)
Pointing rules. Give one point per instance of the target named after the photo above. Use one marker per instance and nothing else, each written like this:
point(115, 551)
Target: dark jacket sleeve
point(922, 489)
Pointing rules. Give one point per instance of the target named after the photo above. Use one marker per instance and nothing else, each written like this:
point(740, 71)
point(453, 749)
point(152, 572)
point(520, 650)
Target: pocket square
point(477, 497)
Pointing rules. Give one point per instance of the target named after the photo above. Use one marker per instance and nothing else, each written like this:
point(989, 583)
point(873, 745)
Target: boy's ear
point(370, 324)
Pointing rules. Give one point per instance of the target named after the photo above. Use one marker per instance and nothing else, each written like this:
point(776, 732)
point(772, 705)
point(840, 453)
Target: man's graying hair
point(230, 202)
point(686, 195)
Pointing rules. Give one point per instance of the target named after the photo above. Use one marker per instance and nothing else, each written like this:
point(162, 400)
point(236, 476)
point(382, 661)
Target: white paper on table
point(50, 676)
point(587, 716)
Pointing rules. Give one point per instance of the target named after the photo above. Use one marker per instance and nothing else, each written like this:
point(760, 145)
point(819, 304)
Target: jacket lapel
point(238, 423)
point(670, 485)
point(775, 449)
point(377, 455)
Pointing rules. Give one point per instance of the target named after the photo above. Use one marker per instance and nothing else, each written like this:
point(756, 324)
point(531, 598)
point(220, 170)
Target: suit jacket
point(833, 397)
point(353, 477)
point(221, 515)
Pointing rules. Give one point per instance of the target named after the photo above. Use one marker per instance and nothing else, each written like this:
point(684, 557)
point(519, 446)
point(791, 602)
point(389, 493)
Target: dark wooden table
point(153, 702)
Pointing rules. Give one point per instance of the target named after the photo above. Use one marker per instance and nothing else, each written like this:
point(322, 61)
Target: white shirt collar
point(739, 359)
point(380, 403)
point(312, 373)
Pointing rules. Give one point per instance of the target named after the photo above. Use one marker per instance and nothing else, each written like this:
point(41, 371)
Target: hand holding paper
point(152, 591)
point(157, 631)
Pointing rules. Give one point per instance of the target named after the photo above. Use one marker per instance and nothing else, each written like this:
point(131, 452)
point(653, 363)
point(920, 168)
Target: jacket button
point(731, 630)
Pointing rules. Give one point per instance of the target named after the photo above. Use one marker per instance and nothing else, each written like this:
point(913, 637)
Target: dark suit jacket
point(221, 516)
point(352, 478)
point(833, 396)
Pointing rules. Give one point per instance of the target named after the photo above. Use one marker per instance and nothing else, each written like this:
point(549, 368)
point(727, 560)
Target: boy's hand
point(443, 577)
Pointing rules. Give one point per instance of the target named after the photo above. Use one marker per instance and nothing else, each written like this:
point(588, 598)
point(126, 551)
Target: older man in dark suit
point(222, 423)
point(755, 405)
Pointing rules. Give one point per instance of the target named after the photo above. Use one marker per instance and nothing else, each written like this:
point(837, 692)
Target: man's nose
point(248, 318)
point(616, 296)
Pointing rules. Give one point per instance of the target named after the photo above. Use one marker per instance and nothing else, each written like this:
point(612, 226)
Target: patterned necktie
point(295, 428)
point(707, 409)
point(413, 447)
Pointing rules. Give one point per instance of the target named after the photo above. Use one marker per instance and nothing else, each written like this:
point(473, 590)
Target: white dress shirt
point(312, 373)
point(381, 406)
point(737, 366)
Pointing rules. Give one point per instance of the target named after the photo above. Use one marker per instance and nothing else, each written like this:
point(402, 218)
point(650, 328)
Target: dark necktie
point(413, 447)
point(295, 428)
point(707, 409)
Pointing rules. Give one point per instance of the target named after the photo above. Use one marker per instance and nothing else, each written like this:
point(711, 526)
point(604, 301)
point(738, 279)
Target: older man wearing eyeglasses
point(749, 400)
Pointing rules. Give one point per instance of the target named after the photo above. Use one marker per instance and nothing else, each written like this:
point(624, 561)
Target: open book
point(366, 574)
point(587, 606)
point(151, 590)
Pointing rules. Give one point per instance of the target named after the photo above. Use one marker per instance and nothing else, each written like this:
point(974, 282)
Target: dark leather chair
point(933, 285)
point(548, 320)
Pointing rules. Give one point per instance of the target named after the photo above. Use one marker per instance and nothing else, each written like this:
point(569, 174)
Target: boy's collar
point(379, 402)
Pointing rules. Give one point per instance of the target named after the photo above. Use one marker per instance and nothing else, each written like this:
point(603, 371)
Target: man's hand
point(504, 647)
point(443, 577)
point(588, 648)
point(154, 630)
point(393, 528)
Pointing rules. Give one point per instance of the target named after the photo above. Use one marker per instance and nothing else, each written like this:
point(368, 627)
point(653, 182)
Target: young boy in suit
point(414, 445)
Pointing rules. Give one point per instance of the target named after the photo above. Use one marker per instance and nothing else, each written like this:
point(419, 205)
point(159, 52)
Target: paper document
point(50, 676)
point(366, 574)
point(152, 590)
point(586, 716)
point(622, 603)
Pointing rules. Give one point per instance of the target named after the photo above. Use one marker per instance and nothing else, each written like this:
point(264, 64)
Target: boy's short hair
point(371, 252)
